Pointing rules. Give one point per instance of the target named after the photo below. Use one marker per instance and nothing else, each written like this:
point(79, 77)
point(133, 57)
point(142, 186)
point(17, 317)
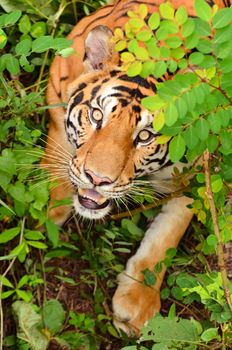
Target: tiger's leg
point(134, 303)
point(56, 160)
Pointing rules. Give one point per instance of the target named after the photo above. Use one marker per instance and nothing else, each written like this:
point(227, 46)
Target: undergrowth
point(56, 284)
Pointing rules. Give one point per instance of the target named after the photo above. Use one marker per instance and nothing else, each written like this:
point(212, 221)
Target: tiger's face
point(113, 139)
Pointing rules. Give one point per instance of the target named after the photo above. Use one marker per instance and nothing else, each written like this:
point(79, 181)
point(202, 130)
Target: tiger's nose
point(96, 179)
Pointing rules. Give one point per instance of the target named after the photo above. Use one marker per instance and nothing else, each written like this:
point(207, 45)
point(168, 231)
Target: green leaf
point(121, 45)
point(12, 65)
point(147, 69)
point(23, 281)
point(36, 244)
point(11, 18)
point(222, 18)
point(222, 35)
point(149, 277)
point(144, 35)
point(127, 57)
point(166, 10)
point(9, 234)
point(212, 240)
point(68, 51)
point(33, 235)
point(153, 102)
point(134, 69)
point(176, 148)
point(210, 334)
point(24, 24)
point(18, 249)
point(25, 64)
point(29, 325)
point(42, 44)
point(154, 21)
point(142, 54)
point(196, 58)
point(62, 43)
point(226, 141)
point(160, 69)
point(181, 15)
point(173, 42)
point(52, 232)
point(191, 41)
point(122, 250)
point(17, 191)
point(214, 122)
point(22, 294)
point(3, 39)
point(38, 29)
point(136, 23)
point(23, 47)
point(171, 115)
point(204, 46)
point(143, 10)
point(181, 107)
point(132, 228)
point(188, 28)
point(168, 332)
point(203, 10)
point(5, 282)
point(53, 315)
point(216, 183)
point(165, 293)
point(202, 129)
point(212, 143)
point(158, 121)
point(178, 53)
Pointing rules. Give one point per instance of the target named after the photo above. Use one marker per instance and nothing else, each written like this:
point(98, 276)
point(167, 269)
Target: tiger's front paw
point(133, 305)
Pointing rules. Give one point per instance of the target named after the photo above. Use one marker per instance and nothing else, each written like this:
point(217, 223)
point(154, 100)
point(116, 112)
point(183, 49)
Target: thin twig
point(1, 283)
point(145, 207)
point(213, 211)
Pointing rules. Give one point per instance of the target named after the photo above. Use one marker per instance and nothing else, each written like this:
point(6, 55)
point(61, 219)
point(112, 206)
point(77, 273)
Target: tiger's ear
point(98, 48)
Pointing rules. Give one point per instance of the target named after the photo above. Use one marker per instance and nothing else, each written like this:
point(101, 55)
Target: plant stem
point(213, 211)
point(149, 206)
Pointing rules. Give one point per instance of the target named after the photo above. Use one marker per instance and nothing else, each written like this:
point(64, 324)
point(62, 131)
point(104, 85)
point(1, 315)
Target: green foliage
point(175, 333)
point(190, 61)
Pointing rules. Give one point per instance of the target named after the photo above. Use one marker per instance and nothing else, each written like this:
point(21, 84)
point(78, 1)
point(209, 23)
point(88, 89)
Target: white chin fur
point(90, 213)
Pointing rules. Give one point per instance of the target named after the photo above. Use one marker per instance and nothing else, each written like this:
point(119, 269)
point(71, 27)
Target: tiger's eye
point(97, 115)
point(144, 135)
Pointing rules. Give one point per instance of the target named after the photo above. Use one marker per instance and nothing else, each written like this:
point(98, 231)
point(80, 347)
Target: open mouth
point(92, 199)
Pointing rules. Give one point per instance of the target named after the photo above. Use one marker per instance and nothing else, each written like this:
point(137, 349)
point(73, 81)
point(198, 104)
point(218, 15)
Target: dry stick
point(213, 211)
point(149, 206)
point(1, 284)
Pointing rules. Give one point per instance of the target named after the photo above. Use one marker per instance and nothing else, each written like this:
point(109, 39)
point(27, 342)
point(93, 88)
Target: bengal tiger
point(109, 144)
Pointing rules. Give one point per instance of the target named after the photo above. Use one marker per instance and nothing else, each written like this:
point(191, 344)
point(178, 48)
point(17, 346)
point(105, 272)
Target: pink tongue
point(92, 194)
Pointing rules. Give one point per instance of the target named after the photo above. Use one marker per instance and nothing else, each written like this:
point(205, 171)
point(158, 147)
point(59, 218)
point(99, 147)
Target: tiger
point(109, 145)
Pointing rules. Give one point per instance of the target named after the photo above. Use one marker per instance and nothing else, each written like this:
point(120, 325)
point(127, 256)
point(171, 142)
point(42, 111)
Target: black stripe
point(97, 19)
point(63, 78)
point(138, 80)
point(123, 89)
point(77, 99)
point(79, 117)
point(95, 91)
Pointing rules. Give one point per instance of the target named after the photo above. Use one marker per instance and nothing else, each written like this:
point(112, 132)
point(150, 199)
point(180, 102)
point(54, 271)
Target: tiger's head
point(110, 130)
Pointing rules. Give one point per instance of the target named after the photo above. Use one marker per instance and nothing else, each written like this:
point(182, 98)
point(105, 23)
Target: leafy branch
point(213, 210)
